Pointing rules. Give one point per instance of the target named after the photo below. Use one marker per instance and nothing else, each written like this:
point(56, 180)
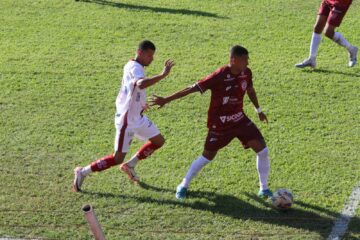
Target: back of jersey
point(131, 100)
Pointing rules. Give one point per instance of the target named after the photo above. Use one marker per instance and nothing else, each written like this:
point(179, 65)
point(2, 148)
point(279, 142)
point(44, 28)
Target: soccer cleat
point(310, 62)
point(130, 172)
point(265, 193)
point(78, 179)
point(181, 192)
point(353, 56)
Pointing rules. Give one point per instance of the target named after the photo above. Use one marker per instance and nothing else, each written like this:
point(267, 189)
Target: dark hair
point(145, 45)
point(238, 51)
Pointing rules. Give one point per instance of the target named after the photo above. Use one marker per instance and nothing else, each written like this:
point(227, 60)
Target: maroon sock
point(146, 150)
point(103, 163)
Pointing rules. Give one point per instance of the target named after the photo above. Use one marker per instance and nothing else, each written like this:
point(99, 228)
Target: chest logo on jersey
point(228, 78)
point(243, 85)
point(225, 100)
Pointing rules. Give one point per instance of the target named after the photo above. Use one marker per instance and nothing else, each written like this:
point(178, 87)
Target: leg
point(123, 138)
point(316, 37)
point(335, 18)
point(194, 169)
point(96, 166)
point(214, 142)
point(339, 39)
point(197, 165)
point(145, 151)
point(148, 131)
point(262, 165)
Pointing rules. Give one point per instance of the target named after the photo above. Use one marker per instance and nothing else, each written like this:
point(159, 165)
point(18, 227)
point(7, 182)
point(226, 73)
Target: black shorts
point(245, 131)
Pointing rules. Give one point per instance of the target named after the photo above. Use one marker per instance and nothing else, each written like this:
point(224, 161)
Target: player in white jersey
point(129, 118)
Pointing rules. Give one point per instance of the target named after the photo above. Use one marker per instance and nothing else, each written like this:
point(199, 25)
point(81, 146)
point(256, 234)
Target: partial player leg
point(122, 141)
point(315, 43)
point(100, 165)
point(145, 151)
point(262, 165)
point(335, 18)
point(195, 167)
point(339, 39)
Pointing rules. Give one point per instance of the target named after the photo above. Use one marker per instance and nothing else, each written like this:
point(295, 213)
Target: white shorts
point(125, 134)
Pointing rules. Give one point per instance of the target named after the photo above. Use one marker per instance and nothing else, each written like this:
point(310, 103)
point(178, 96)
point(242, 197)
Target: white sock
point(263, 167)
point(133, 161)
point(195, 167)
point(339, 39)
point(314, 45)
point(86, 170)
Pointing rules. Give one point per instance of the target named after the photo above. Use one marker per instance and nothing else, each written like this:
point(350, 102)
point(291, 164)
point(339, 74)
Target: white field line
point(341, 223)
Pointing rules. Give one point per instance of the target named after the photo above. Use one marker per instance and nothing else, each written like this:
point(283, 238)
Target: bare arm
point(147, 82)
point(161, 101)
point(252, 95)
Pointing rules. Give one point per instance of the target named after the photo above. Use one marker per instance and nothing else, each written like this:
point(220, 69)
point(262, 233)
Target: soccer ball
point(282, 199)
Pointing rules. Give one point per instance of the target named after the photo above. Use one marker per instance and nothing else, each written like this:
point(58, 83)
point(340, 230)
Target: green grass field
point(60, 69)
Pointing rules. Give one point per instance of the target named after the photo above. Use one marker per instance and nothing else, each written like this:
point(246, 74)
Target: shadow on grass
point(236, 208)
point(153, 9)
point(332, 72)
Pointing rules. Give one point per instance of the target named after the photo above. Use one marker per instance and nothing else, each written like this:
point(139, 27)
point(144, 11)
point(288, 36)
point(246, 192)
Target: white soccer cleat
point(78, 179)
point(310, 62)
point(353, 56)
point(130, 172)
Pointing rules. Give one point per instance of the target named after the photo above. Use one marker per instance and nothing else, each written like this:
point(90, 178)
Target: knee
point(209, 155)
point(329, 32)
point(161, 142)
point(318, 29)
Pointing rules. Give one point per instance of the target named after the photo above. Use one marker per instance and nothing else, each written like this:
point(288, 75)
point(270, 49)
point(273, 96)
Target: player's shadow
point(153, 9)
point(332, 72)
point(236, 208)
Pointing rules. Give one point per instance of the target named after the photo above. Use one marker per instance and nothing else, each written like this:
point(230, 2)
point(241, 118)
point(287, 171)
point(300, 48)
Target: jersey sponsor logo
point(232, 118)
point(234, 100)
point(243, 85)
point(225, 100)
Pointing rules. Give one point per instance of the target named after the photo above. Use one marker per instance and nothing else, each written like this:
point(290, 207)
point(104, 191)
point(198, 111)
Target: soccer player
point(330, 15)
point(226, 118)
point(129, 118)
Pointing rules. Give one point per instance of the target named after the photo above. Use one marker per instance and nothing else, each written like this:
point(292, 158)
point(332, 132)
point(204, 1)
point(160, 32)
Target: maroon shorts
point(245, 131)
point(334, 13)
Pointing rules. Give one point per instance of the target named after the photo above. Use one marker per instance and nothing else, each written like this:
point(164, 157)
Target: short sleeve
point(137, 73)
point(209, 81)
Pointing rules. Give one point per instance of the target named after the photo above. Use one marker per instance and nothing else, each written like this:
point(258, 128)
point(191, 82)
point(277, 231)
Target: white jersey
point(131, 100)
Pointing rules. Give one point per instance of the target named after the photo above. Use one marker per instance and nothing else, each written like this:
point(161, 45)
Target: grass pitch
point(60, 68)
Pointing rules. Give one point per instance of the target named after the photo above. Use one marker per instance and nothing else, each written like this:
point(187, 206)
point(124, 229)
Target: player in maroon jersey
point(226, 119)
point(330, 15)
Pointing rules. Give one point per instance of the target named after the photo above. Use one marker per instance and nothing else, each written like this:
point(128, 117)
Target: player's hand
point(263, 117)
point(157, 101)
point(167, 67)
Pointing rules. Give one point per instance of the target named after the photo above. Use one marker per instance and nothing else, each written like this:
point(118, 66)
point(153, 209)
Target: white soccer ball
point(282, 199)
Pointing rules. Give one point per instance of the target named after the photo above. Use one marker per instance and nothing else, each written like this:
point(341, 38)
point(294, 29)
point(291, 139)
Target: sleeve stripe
point(201, 90)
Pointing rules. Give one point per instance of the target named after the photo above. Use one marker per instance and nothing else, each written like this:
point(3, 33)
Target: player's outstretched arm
point(253, 98)
point(161, 101)
point(147, 82)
